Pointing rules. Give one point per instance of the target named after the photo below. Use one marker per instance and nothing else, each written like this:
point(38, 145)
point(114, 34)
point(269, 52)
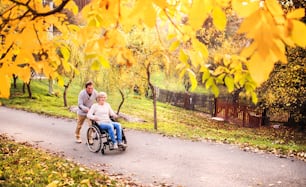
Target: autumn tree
point(149, 58)
point(24, 27)
point(75, 59)
point(118, 78)
point(285, 90)
point(269, 28)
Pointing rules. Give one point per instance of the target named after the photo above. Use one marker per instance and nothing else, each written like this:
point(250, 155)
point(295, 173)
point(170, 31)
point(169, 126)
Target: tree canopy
point(26, 42)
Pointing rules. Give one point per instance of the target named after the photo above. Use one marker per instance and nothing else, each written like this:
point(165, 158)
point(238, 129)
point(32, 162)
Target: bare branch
point(41, 14)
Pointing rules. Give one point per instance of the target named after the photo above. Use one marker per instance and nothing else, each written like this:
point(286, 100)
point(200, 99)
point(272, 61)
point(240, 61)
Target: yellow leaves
point(183, 57)
point(267, 27)
point(199, 46)
point(161, 3)
point(66, 55)
point(245, 8)
point(5, 84)
point(86, 182)
point(251, 24)
point(193, 79)
point(71, 6)
point(298, 28)
point(102, 13)
point(296, 14)
point(53, 183)
point(219, 18)
point(104, 62)
point(145, 12)
point(174, 45)
point(199, 12)
point(150, 16)
point(274, 7)
point(259, 68)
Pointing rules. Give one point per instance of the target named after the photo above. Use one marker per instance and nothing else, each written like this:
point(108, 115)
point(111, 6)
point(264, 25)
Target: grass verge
point(23, 165)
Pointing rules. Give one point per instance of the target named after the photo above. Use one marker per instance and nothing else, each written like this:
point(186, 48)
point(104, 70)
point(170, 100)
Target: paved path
point(152, 157)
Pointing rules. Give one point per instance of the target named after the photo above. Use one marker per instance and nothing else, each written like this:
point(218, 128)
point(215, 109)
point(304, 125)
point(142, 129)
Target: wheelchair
point(99, 140)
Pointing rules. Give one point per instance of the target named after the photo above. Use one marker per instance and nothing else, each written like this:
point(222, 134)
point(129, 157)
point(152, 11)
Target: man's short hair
point(88, 83)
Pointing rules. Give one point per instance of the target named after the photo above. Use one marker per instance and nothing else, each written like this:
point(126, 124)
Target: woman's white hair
point(101, 94)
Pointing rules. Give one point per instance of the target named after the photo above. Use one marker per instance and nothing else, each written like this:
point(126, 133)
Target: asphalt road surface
point(151, 159)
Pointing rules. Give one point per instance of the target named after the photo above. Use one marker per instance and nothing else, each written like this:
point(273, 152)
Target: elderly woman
point(101, 112)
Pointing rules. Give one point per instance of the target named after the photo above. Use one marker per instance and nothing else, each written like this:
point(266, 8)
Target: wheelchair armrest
point(93, 122)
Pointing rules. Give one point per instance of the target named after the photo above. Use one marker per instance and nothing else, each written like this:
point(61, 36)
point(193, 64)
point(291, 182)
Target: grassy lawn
point(172, 121)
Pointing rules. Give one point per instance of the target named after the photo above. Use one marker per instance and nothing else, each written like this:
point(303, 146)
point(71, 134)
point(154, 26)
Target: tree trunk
point(15, 77)
point(50, 86)
point(122, 101)
point(154, 95)
point(65, 95)
point(66, 89)
point(23, 88)
point(265, 117)
point(154, 106)
point(235, 98)
point(28, 88)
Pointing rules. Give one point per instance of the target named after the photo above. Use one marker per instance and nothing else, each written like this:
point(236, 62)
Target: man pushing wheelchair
point(100, 113)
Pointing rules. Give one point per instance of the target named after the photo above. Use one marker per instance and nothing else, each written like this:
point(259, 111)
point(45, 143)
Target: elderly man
point(86, 99)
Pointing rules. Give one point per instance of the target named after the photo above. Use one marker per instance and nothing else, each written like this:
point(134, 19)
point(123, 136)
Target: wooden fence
point(242, 114)
point(238, 113)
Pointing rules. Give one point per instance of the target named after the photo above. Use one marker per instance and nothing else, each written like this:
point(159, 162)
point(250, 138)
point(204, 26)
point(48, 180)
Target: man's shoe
point(78, 140)
point(90, 141)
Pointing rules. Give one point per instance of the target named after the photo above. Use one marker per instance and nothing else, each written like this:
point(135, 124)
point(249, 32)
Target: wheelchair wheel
point(94, 141)
point(124, 140)
point(104, 141)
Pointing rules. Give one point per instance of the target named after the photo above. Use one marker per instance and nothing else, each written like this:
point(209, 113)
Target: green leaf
point(215, 90)
point(65, 52)
point(242, 81)
point(229, 82)
point(60, 80)
point(183, 57)
point(182, 73)
point(254, 97)
point(205, 75)
point(209, 82)
point(193, 79)
point(220, 79)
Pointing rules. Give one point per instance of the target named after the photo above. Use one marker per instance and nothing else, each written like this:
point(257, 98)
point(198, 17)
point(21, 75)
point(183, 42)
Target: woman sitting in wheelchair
point(101, 112)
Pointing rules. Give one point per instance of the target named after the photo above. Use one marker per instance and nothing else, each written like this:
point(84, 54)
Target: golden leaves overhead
point(199, 12)
point(267, 26)
point(245, 8)
point(26, 43)
point(270, 30)
point(219, 18)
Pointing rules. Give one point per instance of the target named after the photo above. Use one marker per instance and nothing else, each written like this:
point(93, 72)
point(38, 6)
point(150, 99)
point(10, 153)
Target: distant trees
point(285, 90)
point(267, 27)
